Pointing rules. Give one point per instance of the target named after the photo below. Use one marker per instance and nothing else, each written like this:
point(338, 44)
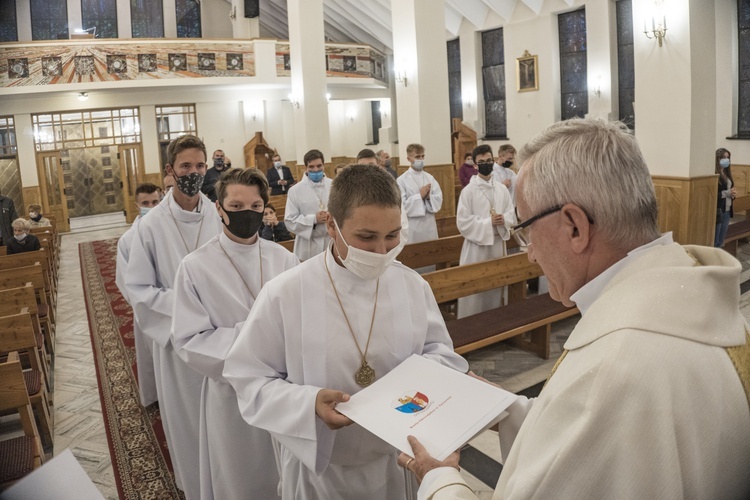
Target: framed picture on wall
point(527, 72)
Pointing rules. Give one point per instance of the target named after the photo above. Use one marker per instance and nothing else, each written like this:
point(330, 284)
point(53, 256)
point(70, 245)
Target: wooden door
point(133, 173)
point(52, 187)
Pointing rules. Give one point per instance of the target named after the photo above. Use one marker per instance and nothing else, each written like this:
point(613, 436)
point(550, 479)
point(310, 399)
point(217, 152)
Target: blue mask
point(143, 210)
point(724, 162)
point(418, 164)
point(316, 176)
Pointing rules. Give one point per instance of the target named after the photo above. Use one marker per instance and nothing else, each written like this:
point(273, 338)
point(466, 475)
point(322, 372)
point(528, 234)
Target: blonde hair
point(21, 223)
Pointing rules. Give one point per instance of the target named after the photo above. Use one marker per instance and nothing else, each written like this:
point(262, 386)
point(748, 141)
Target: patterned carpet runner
point(136, 439)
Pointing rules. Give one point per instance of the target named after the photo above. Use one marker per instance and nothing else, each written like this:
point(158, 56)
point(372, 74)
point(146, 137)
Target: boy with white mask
point(422, 199)
point(339, 321)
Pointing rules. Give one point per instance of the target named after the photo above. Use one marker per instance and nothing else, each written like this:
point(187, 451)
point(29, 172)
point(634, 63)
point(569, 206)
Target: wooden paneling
point(154, 178)
point(31, 195)
point(446, 177)
point(741, 176)
point(687, 207)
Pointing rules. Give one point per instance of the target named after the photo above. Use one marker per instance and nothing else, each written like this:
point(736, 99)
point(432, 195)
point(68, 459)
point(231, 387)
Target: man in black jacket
point(279, 177)
point(213, 174)
point(7, 216)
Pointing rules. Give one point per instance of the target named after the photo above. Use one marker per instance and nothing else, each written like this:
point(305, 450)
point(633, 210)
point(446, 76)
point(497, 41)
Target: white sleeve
point(413, 204)
point(435, 201)
point(298, 223)
point(476, 228)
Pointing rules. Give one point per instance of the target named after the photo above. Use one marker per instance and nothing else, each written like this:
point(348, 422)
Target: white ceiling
point(369, 21)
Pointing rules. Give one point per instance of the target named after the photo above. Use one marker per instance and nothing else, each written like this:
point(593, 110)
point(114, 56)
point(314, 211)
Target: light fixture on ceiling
point(83, 96)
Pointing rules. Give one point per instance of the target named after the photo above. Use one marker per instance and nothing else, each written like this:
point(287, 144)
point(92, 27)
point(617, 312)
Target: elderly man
point(650, 398)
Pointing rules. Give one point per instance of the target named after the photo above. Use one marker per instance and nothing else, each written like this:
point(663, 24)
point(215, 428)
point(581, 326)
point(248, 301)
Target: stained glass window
point(493, 83)
point(376, 121)
point(188, 18)
point(743, 100)
point(573, 70)
point(147, 18)
point(454, 79)
point(100, 14)
point(8, 28)
point(49, 20)
point(625, 62)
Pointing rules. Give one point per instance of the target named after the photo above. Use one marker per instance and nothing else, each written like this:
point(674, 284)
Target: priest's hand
point(325, 408)
point(422, 462)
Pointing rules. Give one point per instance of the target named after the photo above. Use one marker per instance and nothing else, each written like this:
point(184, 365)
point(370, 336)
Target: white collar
point(591, 291)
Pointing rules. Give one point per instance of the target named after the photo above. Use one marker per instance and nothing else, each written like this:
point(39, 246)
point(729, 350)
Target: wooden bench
point(736, 232)
point(531, 317)
point(29, 259)
point(442, 252)
point(20, 276)
point(447, 227)
point(279, 204)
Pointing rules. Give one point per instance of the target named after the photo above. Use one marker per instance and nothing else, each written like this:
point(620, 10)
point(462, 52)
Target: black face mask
point(507, 163)
point(189, 184)
point(485, 168)
point(218, 163)
point(243, 223)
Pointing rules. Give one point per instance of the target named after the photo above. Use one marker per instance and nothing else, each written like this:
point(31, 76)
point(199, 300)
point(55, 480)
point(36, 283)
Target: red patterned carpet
point(136, 439)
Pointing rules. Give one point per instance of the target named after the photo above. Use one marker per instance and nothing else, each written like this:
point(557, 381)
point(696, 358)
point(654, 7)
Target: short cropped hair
point(414, 148)
point(35, 208)
point(243, 177)
point(598, 166)
point(21, 223)
point(506, 148)
point(146, 188)
point(312, 155)
point(366, 153)
point(182, 143)
point(359, 186)
point(480, 150)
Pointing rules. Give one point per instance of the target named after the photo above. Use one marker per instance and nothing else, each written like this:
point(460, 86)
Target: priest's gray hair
point(598, 166)
point(361, 185)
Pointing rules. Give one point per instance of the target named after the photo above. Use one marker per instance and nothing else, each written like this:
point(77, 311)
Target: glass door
point(51, 184)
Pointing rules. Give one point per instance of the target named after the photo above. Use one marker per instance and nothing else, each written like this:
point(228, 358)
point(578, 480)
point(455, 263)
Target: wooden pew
point(442, 252)
point(23, 299)
point(447, 227)
point(279, 203)
point(533, 316)
point(288, 244)
point(736, 232)
point(28, 259)
point(20, 276)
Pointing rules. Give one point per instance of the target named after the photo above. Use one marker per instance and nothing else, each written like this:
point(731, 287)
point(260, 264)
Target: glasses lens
point(522, 236)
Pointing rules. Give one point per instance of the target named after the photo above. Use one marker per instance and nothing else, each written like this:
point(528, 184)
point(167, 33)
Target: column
point(170, 19)
point(675, 94)
point(124, 25)
point(307, 47)
point(243, 27)
point(23, 21)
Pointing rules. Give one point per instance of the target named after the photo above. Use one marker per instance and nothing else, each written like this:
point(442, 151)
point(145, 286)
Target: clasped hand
point(325, 408)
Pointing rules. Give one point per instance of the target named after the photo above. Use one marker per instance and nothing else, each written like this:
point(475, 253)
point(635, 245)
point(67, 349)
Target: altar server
point(484, 216)
point(338, 321)
point(307, 208)
point(215, 288)
point(182, 222)
point(503, 170)
point(147, 196)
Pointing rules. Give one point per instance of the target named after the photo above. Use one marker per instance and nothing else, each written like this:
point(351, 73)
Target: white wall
point(221, 126)
point(215, 22)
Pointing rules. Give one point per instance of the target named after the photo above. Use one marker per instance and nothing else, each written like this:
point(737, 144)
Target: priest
point(307, 208)
point(181, 223)
point(215, 288)
point(484, 217)
point(328, 328)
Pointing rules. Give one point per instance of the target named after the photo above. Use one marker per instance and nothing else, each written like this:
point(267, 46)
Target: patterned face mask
point(189, 184)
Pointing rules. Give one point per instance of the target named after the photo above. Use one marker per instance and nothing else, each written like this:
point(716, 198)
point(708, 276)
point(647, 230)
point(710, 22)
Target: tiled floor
point(78, 417)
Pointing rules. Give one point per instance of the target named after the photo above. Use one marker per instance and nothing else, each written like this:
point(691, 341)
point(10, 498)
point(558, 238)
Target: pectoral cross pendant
point(365, 375)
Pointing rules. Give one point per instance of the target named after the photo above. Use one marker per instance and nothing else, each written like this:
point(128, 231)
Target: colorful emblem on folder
point(412, 404)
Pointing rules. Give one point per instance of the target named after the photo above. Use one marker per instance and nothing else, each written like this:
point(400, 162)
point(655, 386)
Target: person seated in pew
point(207, 319)
point(35, 217)
point(22, 240)
point(327, 328)
point(650, 397)
point(484, 217)
point(467, 170)
point(273, 229)
point(147, 196)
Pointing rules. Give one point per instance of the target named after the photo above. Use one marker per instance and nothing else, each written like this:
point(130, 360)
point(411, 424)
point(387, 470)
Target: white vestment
point(212, 302)
point(647, 403)
point(304, 201)
point(157, 250)
point(420, 212)
point(144, 359)
point(501, 174)
point(296, 341)
point(482, 240)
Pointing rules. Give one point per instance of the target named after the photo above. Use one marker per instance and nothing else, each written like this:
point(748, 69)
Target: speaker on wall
point(252, 8)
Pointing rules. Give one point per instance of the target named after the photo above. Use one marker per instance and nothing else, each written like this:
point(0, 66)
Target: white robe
point(420, 213)
point(156, 252)
point(296, 342)
point(482, 240)
point(144, 359)
point(302, 204)
point(211, 304)
point(501, 174)
point(646, 403)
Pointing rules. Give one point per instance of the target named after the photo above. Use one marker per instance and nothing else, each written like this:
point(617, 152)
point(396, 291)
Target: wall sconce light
point(83, 96)
point(328, 97)
point(658, 31)
point(233, 13)
point(293, 100)
point(401, 77)
point(351, 115)
point(598, 86)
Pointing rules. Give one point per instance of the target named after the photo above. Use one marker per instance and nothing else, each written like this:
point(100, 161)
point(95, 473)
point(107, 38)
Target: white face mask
point(418, 164)
point(20, 237)
point(367, 265)
point(143, 210)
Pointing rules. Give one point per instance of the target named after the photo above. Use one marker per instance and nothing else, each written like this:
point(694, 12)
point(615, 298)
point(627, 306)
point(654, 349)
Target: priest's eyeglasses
point(521, 231)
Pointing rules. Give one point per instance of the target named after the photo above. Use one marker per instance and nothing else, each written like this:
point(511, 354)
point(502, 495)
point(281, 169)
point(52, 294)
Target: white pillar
point(421, 57)
point(170, 19)
point(26, 149)
point(307, 47)
point(23, 21)
point(124, 26)
point(471, 71)
point(75, 17)
point(243, 27)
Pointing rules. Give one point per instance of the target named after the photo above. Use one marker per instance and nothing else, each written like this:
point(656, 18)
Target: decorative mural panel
point(91, 187)
point(206, 61)
point(353, 61)
point(83, 61)
point(10, 183)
